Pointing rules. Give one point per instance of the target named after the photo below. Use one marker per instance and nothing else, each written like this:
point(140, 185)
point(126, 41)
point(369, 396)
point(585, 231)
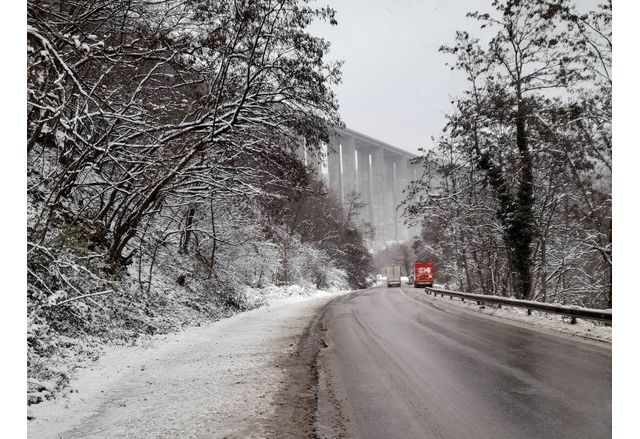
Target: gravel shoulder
point(248, 376)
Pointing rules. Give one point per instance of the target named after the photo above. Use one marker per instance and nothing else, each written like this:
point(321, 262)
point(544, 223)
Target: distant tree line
point(516, 196)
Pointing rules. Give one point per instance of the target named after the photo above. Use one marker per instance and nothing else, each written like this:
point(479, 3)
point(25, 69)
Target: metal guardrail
point(574, 312)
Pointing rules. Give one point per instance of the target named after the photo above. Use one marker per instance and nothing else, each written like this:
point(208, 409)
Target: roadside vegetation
point(516, 194)
point(165, 186)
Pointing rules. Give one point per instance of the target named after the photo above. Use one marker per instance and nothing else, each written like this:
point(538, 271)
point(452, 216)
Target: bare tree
point(529, 146)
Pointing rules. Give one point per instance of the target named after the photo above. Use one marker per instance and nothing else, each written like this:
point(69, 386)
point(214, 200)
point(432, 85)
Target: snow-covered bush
point(154, 146)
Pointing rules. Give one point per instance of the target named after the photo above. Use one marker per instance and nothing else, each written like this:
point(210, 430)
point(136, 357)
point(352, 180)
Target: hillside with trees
point(162, 142)
point(516, 196)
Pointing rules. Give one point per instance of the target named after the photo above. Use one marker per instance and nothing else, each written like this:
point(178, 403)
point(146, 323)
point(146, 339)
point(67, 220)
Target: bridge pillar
point(396, 199)
point(311, 157)
point(378, 193)
point(389, 199)
point(403, 180)
point(349, 176)
point(365, 185)
point(333, 168)
point(313, 160)
point(323, 169)
point(379, 172)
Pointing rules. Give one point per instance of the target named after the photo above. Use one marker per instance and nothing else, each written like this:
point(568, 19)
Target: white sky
point(395, 85)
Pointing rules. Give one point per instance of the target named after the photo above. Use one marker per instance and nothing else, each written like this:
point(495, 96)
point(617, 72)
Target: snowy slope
point(220, 380)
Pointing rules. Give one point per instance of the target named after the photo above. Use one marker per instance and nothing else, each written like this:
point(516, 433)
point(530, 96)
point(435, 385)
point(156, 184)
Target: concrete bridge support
point(312, 158)
point(389, 201)
point(403, 180)
point(378, 194)
point(348, 156)
point(365, 183)
point(334, 170)
point(379, 172)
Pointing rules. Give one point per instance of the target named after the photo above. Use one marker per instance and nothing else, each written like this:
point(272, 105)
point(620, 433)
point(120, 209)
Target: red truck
point(423, 274)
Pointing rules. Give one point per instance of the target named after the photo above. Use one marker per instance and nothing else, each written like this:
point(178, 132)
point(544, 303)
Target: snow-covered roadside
point(555, 322)
point(219, 380)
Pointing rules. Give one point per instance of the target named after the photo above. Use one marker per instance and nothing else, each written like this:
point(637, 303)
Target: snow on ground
point(260, 296)
point(214, 381)
point(556, 322)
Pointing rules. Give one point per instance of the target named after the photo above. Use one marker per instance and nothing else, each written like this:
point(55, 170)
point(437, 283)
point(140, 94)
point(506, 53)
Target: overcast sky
point(395, 85)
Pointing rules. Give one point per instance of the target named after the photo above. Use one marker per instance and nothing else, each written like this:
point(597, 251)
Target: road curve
point(406, 365)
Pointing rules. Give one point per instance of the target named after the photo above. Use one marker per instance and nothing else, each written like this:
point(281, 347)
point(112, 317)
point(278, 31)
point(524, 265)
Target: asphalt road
point(407, 365)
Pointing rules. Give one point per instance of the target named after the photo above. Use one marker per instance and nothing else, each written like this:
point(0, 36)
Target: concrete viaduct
point(378, 171)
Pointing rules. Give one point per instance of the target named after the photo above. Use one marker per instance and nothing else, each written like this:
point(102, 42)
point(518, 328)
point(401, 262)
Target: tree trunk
point(186, 234)
point(520, 231)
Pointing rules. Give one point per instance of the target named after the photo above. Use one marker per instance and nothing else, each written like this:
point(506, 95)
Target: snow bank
point(256, 297)
point(218, 380)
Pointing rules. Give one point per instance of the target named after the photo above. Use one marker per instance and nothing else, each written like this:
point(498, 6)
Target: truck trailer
point(423, 274)
point(393, 276)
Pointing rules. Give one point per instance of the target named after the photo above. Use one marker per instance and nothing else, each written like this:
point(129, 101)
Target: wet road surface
point(407, 365)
